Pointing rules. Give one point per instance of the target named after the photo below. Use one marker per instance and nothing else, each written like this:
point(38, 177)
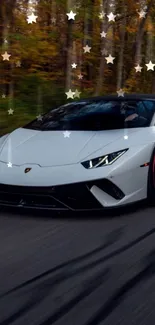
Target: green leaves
point(46, 50)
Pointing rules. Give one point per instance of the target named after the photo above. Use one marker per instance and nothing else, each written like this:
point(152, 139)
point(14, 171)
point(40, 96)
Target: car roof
point(115, 97)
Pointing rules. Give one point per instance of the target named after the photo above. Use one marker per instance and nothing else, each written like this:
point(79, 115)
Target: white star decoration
point(71, 15)
point(6, 56)
point(18, 64)
point(138, 68)
point(53, 20)
point(87, 49)
point(9, 164)
point(142, 14)
point(150, 66)
point(10, 111)
point(74, 65)
point(101, 15)
point(110, 59)
point(70, 94)
point(77, 93)
point(103, 34)
point(104, 52)
point(120, 93)
point(111, 17)
point(80, 76)
point(39, 118)
point(66, 134)
point(32, 18)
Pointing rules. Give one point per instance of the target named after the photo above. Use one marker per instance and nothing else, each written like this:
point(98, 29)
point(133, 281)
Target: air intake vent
point(108, 187)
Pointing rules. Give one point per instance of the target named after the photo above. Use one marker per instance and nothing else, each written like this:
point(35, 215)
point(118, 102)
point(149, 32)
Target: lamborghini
point(88, 154)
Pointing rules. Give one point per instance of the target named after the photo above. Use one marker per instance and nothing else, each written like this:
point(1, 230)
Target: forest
point(56, 51)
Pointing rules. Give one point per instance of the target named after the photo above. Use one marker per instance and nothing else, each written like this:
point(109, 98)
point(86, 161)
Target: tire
point(151, 181)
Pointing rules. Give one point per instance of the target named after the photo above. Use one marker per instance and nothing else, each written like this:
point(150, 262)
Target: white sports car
point(86, 155)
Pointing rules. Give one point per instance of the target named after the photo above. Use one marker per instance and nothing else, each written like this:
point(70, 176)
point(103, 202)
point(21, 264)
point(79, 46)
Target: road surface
point(78, 270)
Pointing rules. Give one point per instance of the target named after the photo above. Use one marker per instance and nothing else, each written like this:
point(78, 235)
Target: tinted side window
point(150, 105)
point(142, 108)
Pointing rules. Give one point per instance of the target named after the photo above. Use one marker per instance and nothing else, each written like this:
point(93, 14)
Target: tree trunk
point(121, 55)
point(140, 33)
point(102, 64)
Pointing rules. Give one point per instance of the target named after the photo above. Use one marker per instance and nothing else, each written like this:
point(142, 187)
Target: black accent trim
point(74, 197)
point(63, 197)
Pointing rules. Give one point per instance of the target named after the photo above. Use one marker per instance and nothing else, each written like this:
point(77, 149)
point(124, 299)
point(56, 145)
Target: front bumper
point(74, 197)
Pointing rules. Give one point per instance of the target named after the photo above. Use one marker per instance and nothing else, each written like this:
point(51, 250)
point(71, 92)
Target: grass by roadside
point(23, 113)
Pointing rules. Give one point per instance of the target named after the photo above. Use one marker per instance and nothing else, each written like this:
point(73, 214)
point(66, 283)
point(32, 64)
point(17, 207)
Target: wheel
point(151, 180)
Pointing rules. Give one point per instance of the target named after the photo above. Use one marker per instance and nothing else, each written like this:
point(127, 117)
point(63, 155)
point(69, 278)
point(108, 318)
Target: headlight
point(103, 160)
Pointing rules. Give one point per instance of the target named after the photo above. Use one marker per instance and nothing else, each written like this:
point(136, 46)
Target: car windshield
point(97, 115)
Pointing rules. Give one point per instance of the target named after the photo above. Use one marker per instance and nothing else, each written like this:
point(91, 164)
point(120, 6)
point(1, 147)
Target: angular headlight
point(103, 160)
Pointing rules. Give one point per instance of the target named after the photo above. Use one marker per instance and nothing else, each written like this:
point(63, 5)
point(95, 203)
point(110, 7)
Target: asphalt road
point(78, 270)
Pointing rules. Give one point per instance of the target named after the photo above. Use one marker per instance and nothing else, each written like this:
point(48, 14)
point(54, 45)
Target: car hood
point(53, 148)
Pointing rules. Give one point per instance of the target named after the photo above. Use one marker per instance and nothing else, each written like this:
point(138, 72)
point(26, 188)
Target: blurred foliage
point(46, 51)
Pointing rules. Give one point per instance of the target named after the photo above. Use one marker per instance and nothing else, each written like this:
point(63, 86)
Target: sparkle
point(39, 118)
point(3, 96)
point(10, 111)
point(6, 56)
point(53, 20)
point(110, 59)
point(5, 41)
point(71, 15)
point(66, 134)
point(32, 18)
point(150, 66)
point(103, 34)
point(142, 14)
point(77, 93)
point(138, 68)
point(74, 65)
point(18, 64)
point(111, 17)
point(70, 94)
point(87, 49)
point(101, 14)
point(104, 52)
point(125, 137)
point(80, 76)
point(120, 93)
point(9, 164)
